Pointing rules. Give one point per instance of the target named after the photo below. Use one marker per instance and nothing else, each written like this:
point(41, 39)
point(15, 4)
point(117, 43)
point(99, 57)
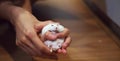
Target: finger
point(67, 42)
point(26, 49)
point(30, 45)
point(38, 43)
point(18, 44)
point(63, 34)
point(50, 36)
point(59, 51)
point(39, 26)
point(64, 51)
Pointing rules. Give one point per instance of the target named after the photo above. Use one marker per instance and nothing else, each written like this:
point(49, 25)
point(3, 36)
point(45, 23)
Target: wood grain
point(90, 40)
point(4, 56)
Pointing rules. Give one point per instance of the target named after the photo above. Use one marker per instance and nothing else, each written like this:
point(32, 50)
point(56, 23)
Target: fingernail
point(59, 50)
point(51, 50)
point(64, 51)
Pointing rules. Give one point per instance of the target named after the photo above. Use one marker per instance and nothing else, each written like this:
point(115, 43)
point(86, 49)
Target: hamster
point(54, 45)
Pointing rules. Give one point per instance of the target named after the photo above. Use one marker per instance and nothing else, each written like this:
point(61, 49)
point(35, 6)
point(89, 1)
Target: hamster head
point(56, 27)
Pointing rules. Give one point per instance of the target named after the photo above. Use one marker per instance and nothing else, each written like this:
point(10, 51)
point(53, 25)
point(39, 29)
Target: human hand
point(64, 34)
point(53, 36)
point(67, 41)
point(27, 27)
point(26, 34)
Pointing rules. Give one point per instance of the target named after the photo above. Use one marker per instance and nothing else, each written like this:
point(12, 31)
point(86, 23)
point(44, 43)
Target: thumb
point(38, 27)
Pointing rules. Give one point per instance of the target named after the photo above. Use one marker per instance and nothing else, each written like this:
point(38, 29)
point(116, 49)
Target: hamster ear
point(58, 23)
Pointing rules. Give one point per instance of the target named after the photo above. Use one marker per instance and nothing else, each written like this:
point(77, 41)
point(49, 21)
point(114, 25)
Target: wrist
point(11, 12)
point(16, 14)
point(22, 17)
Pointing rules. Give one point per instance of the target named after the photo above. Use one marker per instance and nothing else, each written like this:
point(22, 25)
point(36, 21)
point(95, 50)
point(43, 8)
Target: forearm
point(9, 11)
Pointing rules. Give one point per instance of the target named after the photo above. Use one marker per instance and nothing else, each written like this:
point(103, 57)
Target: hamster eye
point(59, 46)
point(51, 25)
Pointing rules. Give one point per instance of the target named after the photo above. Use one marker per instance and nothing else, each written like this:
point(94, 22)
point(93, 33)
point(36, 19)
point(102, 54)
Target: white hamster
point(54, 28)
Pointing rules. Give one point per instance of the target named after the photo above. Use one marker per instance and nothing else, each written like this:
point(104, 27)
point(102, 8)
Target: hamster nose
point(56, 28)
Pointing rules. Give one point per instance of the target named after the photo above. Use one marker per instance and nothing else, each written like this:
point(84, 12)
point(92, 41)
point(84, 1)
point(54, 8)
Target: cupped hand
point(27, 28)
point(26, 34)
point(50, 36)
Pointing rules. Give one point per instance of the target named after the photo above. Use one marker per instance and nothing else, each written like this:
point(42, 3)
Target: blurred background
point(94, 27)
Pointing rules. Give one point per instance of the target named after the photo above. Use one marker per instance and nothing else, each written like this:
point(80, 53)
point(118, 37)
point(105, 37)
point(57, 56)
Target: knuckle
point(50, 21)
point(23, 40)
point(69, 40)
point(61, 34)
point(47, 34)
point(29, 33)
point(18, 43)
point(67, 30)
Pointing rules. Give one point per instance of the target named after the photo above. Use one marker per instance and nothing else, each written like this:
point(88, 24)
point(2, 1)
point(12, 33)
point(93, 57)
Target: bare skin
point(27, 27)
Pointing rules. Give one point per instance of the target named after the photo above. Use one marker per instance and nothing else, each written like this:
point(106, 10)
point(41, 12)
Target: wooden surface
point(92, 40)
point(4, 56)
